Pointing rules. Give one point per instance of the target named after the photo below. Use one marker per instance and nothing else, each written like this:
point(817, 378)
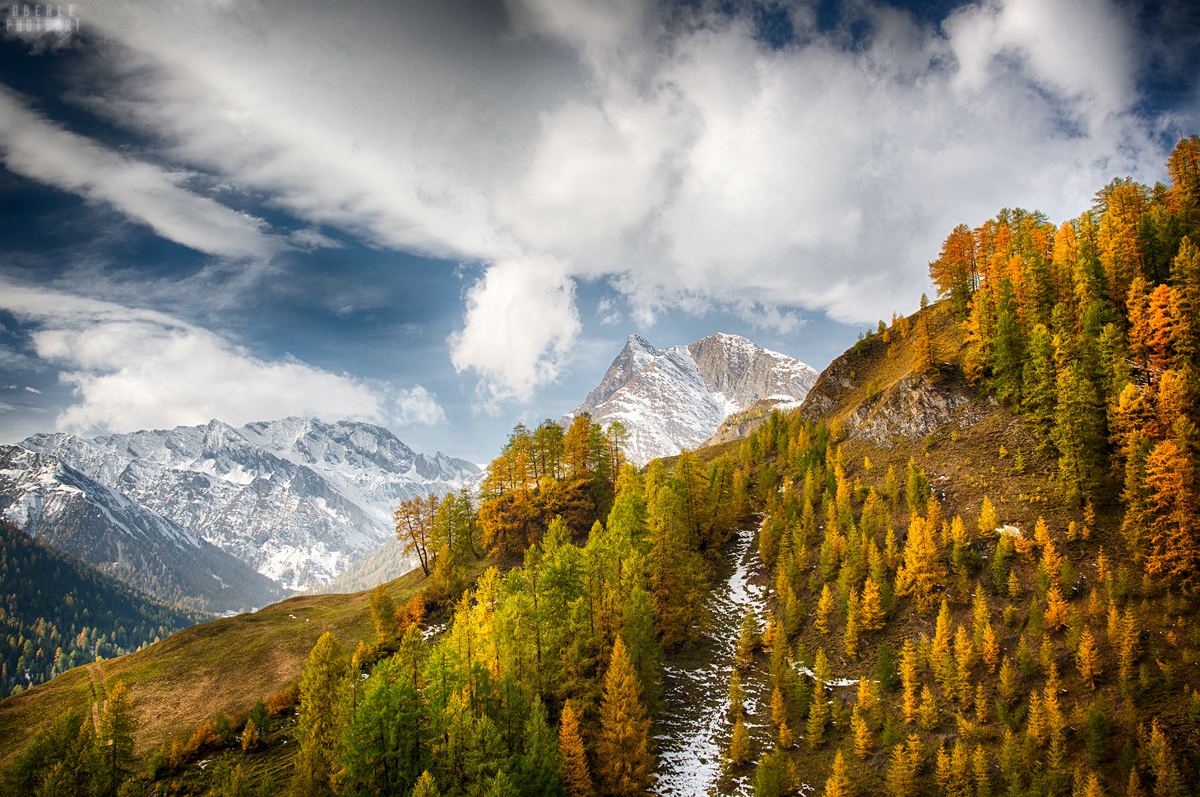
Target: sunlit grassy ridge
point(219, 667)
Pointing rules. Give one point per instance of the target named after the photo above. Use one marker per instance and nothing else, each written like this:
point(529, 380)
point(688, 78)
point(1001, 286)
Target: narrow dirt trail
point(96, 676)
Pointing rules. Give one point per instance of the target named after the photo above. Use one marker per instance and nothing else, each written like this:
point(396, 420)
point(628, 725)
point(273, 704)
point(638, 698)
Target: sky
point(446, 218)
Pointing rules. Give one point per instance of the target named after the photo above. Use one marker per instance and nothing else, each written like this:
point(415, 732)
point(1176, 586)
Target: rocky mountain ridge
point(55, 503)
point(297, 499)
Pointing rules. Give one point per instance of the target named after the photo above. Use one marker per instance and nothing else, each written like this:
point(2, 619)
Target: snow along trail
point(694, 725)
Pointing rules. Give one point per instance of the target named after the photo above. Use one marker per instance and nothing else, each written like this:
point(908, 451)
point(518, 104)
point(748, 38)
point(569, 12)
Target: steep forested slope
point(59, 613)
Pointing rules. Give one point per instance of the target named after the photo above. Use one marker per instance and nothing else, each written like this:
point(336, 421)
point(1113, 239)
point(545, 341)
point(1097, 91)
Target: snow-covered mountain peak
point(677, 397)
point(52, 501)
point(297, 498)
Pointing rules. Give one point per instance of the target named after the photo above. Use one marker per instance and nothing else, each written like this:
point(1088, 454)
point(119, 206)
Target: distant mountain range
point(677, 398)
point(297, 500)
point(57, 505)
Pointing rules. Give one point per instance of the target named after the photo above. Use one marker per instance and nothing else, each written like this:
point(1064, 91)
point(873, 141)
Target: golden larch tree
point(861, 731)
point(871, 607)
point(570, 746)
point(1174, 530)
point(1087, 659)
point(623, 749)
point(824, 607)
point(902, 768)
point(908, 677)
point(838, 784)
point(739, 746)
point(923, 569)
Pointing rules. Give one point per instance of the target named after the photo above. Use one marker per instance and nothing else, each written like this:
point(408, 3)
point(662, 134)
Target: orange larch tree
point(1174, 530)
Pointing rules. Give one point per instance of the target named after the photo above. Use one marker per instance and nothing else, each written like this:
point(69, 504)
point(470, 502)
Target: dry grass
point(220, 667)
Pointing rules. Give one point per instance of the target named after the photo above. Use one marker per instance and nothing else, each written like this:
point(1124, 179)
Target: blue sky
point(446, 218)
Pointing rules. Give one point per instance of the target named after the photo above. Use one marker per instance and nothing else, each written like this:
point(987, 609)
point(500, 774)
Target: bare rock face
point(637, 354)
point(677, 398)
point(743, 373)
point(913, 407)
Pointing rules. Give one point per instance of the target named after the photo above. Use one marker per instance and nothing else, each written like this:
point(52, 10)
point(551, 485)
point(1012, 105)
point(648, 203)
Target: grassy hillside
point(219, 667)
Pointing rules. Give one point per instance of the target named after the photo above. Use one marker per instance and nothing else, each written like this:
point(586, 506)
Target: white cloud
point(40, 150)
point(768, 317)
point(608, 312)
point(1077, 49)
point(32, 389)
point(387, 120)
point(521, 322)
point(137, 369)
point(684, 160)
point(418, 407)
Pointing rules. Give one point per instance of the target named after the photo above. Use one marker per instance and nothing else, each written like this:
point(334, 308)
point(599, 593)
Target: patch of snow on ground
point(695, 726)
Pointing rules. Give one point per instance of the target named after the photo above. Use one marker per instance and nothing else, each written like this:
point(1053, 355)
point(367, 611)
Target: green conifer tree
point(115, 740)
point(317, 719)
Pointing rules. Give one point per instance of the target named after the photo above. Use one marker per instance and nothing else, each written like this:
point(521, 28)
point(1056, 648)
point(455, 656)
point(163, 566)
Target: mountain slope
point(217, 668)
point(64, 508)
point(677, 398)
point(69, 612)
point(297, 499)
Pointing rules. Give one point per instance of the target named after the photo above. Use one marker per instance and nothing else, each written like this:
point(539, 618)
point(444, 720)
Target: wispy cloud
point(34, 147)
point(136, 369)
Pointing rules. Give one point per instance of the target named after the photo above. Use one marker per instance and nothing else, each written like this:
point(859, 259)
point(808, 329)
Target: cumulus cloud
point(667, 150)
point(521, 322)
point(136, 369)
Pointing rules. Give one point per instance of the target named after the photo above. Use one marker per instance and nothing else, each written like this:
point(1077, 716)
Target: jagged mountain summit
point(55, 503)
point(297, 499)
point(676, 398)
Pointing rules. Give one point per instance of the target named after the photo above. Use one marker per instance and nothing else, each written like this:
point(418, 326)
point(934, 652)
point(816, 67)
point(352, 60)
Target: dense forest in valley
point(58, 613)
point(915, 641)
